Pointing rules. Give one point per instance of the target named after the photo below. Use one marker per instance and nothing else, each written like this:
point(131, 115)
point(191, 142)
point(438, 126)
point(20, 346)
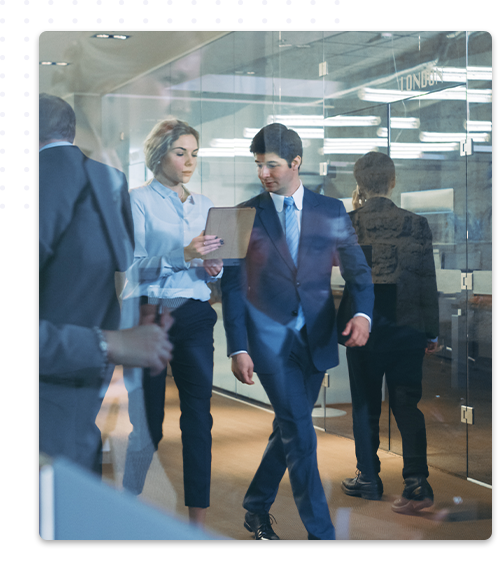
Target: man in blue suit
point(280, 322)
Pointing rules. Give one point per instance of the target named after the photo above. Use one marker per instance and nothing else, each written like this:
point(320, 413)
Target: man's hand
point(358, 327)
point(144, 346)
point(242, 368)
point(431, 347)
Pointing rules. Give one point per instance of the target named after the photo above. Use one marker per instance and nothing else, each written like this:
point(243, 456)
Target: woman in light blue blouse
point(168, 263)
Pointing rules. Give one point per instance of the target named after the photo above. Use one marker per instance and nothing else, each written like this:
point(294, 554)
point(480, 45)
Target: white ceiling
point(98, 66)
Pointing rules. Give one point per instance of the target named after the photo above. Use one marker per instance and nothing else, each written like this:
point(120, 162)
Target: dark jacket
point(398, 245)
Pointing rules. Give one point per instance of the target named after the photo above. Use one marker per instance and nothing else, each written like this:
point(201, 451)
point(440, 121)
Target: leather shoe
point(260, 524)
point(363, 486)
point(417, 495)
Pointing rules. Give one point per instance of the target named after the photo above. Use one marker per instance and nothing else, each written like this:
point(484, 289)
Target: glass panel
point(347, 138)
point(432, 184)
point(479, 251)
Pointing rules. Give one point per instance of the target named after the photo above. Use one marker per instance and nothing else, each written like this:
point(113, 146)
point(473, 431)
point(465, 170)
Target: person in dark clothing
point(398, 246)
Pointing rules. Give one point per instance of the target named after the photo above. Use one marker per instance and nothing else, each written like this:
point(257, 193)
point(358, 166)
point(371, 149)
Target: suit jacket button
point(297, 284)
point(295, 313)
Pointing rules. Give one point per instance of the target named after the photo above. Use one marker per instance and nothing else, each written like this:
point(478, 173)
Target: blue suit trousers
point(293, 390)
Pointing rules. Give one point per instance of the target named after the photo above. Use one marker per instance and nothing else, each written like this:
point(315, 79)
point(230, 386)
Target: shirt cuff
point(238, 353)
point(365, 316)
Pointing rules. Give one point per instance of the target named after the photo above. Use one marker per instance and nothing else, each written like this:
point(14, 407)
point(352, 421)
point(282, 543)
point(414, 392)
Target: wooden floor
point(462, 509)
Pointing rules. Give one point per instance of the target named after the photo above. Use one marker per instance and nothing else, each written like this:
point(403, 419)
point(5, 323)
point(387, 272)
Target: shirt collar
point(54, 144)
point(167, 192)
point(298, 197)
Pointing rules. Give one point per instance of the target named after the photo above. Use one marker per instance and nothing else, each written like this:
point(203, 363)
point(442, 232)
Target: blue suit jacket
point(261, 298)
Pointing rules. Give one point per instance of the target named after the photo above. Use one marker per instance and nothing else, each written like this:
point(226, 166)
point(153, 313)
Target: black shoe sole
point(368, 495)
point(249, 528)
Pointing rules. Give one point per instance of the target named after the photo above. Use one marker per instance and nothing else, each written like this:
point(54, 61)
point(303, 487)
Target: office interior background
point(424, 98)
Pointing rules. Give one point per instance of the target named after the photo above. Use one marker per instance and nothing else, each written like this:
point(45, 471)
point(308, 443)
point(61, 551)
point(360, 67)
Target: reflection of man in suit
point(86, 234)
point(405, 324)
point(278, 308)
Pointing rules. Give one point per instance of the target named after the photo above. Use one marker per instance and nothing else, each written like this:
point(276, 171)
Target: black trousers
point(403, 371)
point(192, 369)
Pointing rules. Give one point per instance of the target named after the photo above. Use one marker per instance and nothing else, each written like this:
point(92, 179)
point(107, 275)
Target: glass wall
point(425, 98)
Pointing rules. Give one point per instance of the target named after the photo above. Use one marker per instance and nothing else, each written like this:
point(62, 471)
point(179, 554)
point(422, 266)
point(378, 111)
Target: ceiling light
point(364, 145)
point(453, 74)
point(382, 95)
point(452, 137)
point(478, 126)
point(460, 93)
point(352, 121)
point(49, 63)
point(110, 36)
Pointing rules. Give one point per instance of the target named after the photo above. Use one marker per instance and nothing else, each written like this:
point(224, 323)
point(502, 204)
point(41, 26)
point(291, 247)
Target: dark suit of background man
point(405, 324)
point(278, 308)
point(86, 234)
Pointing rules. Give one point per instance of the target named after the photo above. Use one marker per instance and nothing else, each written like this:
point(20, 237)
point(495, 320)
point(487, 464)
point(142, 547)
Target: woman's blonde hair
point(161, 138)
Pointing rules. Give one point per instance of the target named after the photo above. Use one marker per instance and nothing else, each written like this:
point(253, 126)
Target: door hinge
point(466, 147)
point(322, 68)
point(467, 414)
point(466, 281)
point(326, 381)
point(323, 168)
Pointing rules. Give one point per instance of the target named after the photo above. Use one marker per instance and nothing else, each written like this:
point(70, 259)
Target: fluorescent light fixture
point(318, 120)
point(404, 123)
point(364, 145)
point(453, 74)
point(458, 93)
point(352, 121)
point(383, 96)
point(478, 126)
point(49, 63)
point(452, 137)
point(399, 123)
point(110, 36)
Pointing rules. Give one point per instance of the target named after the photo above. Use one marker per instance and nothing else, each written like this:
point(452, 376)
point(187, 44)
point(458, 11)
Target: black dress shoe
point(260, 525)
point(363, 486)
point(417, 495)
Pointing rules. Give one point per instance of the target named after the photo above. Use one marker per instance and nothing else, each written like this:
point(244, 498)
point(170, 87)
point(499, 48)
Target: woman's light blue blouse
point(163, 226)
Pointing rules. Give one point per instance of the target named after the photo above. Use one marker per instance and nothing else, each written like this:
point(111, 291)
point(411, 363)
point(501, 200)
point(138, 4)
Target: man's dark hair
point(374, 173)
point(277, 138)
point(56, 119)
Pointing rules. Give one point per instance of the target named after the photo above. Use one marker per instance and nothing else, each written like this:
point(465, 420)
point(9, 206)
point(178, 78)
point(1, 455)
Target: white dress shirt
point(163, 226)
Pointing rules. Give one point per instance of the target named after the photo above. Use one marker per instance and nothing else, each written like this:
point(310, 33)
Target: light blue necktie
point(292, 239)
point(291, 228)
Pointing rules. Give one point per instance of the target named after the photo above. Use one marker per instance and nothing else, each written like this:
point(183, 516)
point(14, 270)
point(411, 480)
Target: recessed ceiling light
point(49, 63)
point(110, 36)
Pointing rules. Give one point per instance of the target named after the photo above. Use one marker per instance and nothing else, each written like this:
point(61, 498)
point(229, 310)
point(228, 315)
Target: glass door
point(479, 255)
point(435, 123)
point(426, 138)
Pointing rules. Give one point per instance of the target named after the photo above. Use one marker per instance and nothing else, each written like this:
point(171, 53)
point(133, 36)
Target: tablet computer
point(232, 225)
